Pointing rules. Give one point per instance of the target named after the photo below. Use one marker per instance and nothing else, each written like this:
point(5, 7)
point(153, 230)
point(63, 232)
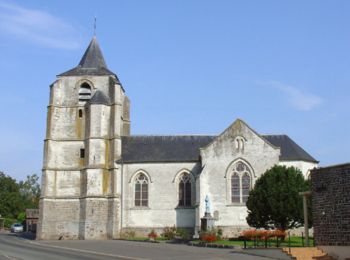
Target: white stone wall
point(305, 167)
point(79, 198)
point(162, 208)
point(63, 155)
point(61, 183)
point(215, 178)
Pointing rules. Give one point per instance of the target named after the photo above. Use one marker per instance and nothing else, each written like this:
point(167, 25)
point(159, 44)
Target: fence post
point(255, 241)
point(277, 242)
point(245, 244)
point(265, 241)
point(289, 241)
point(302, 239)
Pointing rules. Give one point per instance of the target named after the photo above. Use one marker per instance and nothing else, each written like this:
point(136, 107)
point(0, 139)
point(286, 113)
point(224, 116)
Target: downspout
point(121, 194)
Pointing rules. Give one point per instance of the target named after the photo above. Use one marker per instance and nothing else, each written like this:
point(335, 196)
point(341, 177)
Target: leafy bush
point(219, 233)
point(209, 236)
point(169, 232)
point(8, 222)
point(21, 217)
point(183, 234)
point(252, 234)
point(127, 234)
point(153, 234)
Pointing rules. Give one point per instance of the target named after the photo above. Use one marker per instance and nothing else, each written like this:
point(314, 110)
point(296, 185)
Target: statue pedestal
point(207, 222)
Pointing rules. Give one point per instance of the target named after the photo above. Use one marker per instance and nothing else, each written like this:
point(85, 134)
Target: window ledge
point(185, 207)
point(140, 208)
point(236, 205)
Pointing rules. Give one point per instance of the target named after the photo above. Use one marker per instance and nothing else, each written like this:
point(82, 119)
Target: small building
point(331, 209)
point(32, 216)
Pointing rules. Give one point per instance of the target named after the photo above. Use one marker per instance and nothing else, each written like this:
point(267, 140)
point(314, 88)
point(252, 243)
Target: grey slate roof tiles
point(163, 148)
point(186, 148)
point(99, 98)
point(92, 63)
point(289, 149)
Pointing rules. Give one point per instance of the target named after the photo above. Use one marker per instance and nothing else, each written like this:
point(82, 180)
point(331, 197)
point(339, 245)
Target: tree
point(30, 191)
point(10, 199)
point(16, 197)
point(275, 201)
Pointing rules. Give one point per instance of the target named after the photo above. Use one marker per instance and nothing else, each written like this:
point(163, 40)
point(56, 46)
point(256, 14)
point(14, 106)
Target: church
point(99, 181)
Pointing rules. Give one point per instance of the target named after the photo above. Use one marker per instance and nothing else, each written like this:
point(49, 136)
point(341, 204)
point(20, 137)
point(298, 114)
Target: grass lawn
point(294, 242)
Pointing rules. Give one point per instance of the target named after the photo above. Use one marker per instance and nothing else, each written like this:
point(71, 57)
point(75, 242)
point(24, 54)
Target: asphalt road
point(15, 248)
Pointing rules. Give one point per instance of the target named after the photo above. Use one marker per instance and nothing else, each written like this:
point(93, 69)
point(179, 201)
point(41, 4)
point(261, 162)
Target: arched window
point(240, 183)
point(245, 187)
point(141, 190)
point(84, 92)
point(185, 190)
point(235, 189)
point(239, 144)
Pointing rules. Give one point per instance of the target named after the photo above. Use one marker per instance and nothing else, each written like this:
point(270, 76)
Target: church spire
point(92, 63)
point(93, 57)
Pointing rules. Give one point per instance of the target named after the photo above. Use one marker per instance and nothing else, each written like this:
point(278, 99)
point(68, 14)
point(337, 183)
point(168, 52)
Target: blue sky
point(189, 67)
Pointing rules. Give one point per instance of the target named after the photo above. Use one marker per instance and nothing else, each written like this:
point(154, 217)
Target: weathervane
point(95, 26)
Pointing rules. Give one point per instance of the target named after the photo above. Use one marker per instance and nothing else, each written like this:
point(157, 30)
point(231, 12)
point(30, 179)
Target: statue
point(207, 205)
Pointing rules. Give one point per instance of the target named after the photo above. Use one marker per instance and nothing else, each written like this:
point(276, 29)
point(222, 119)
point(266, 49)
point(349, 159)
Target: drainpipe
point(121, 193)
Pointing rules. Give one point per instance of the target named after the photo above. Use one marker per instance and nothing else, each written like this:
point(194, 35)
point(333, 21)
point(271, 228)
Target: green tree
point(16, 197)
point(10, 199)
point(275, 201)
point(30, 191)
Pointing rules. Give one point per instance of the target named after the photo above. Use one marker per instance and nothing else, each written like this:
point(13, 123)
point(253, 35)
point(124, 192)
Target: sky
point(188, 67)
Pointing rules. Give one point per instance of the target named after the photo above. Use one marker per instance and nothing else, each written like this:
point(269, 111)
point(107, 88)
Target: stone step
point(307, 253)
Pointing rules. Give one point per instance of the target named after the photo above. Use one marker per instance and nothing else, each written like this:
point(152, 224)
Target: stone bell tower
point(87, 114)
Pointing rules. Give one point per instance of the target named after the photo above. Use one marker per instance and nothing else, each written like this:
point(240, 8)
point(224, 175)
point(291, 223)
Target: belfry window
point(185, 190)
point(240, 183)
point(84, 92)
point(141, 190)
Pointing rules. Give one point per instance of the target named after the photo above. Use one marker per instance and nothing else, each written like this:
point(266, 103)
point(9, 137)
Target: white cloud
point(37, 26)
point(298, 99)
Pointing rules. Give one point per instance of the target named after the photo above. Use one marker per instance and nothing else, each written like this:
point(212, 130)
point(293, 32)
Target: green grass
point(294, 242)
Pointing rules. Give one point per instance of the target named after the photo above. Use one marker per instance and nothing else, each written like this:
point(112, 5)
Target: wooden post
point(306, 224)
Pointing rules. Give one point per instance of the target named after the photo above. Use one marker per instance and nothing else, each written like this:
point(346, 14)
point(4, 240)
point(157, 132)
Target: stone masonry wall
point(331, 205)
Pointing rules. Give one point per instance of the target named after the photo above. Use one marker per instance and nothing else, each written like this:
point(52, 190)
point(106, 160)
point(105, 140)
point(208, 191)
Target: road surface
point(13, 247)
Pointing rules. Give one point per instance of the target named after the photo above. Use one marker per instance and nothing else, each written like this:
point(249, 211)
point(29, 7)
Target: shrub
point(279, 233)
point(8, 222)
point(21, 217)
point(153, 234)
point(127, 234)
point(219, 233)
point(169, 232)
point(208, 236)
point(252, 234)
point(183, 234)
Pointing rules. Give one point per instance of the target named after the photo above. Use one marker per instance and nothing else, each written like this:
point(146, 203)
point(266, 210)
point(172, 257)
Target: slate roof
point(186, 148)
point(92, 63)
point(99, 98)
point(290, 151)
point(163, 148)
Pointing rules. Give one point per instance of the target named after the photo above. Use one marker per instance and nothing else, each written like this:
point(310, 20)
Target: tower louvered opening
point(84, 92)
